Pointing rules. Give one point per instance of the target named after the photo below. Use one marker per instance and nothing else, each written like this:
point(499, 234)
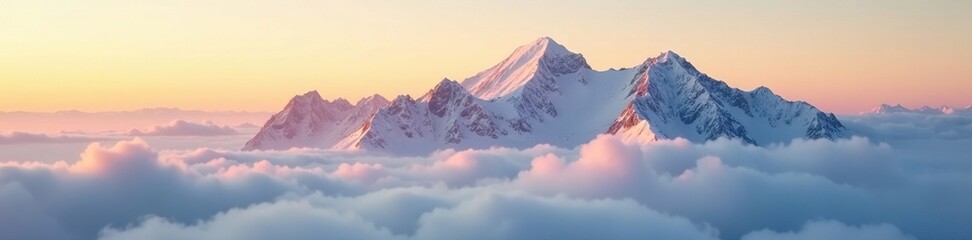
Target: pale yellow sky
point(843, 56)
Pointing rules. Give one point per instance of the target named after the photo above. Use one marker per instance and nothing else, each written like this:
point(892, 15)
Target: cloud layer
point(184, 128)
point(910, 125)
point(833, 230)
point(853, 188)
point(51, 122)
point(25, 138)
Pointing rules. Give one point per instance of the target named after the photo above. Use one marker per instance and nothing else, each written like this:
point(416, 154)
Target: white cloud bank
point(606, 189)
point(486, 216)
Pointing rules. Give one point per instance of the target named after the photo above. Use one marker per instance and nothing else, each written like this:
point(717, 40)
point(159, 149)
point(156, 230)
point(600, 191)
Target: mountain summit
point(544, 94)
point(535, 63)
point(310, 121)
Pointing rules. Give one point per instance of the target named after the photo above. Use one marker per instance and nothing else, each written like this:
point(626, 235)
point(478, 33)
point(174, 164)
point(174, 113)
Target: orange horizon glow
point(111, 55)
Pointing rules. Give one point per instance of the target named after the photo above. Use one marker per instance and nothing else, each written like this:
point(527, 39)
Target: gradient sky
point(843, 56)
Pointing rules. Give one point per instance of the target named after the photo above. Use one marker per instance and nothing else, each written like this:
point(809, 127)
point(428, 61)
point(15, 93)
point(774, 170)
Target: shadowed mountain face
point(543, 93)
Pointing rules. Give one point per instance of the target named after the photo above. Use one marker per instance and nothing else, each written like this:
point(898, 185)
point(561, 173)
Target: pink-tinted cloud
point(24, 138)
point(606, 168)
point(119, 184)
point(263, 221)
point(247, 125)
point(184, 128)
point(466, 168)
point(363, 172)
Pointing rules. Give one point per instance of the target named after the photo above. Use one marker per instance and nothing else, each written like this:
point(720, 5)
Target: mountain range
point(897, 108)
point(545, 94)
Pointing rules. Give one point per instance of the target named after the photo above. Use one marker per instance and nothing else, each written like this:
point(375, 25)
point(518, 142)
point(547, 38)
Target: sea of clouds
point(880, 185)
point(178, 134)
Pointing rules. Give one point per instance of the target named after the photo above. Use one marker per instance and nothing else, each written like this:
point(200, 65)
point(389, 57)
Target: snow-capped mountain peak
point(885, 108)
point(538, 61)
point(664, 57)
point(307, 99)
point(674, 99)
point(372, 98)
point(447, 93)
point(670, 56)
point(309, 106)
point(549, 47)
point(308, 120)
point(445, 86)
